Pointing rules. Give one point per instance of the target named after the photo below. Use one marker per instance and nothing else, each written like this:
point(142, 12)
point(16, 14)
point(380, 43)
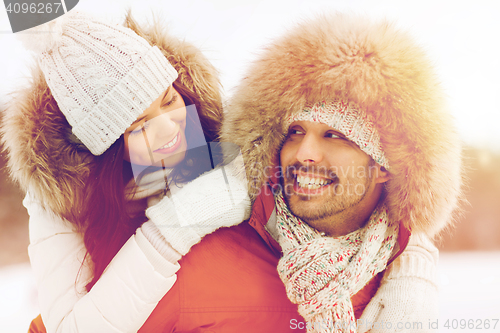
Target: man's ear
point(381, 174)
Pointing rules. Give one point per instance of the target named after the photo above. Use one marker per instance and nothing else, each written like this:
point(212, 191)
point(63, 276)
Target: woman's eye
point(139, 129)
point(136, 132)
point(172, 101)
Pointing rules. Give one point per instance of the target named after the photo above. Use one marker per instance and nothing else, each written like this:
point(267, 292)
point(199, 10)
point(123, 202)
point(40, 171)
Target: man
point(349, 148)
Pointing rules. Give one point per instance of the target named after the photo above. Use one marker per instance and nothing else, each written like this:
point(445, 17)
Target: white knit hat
point(103, 76)
point(349, 120)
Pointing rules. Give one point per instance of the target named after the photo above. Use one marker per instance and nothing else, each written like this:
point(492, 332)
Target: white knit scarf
point(322, 273)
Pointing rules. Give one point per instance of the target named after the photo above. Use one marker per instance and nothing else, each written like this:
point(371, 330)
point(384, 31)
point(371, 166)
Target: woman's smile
point(170, 146)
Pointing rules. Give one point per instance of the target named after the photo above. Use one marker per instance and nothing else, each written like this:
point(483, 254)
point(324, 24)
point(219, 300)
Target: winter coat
point(120, 301)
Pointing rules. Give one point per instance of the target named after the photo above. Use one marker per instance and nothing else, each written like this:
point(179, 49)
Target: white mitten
point(216, 199)
point(407, 300)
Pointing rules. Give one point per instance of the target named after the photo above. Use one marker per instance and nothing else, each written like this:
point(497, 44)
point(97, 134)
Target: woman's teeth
point(170, 144)
point(312, 183)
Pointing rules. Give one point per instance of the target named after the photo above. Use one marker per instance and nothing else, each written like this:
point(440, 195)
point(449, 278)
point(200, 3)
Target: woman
point(103, 100)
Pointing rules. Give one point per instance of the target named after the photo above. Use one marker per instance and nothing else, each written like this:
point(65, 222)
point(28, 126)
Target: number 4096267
point(477, 324)
point(33, 8)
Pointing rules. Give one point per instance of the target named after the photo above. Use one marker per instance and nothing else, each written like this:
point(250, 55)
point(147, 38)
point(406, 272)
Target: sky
point(461, 37)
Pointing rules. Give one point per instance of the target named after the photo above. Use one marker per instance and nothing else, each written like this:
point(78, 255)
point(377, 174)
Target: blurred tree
point(13, 220)
point(479, 227)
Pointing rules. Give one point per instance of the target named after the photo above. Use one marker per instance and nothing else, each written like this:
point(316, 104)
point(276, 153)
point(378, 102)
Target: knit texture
point(103, 76)
point(408, 293)
point(156, 249)
point(321, 274)
point(156, 239)
point(215, 199)
point(347, 119)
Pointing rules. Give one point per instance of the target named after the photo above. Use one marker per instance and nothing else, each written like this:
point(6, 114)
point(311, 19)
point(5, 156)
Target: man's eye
point(332, 135)
point(296, 131)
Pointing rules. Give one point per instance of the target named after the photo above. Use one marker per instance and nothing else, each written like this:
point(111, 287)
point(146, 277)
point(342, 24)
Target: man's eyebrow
point(144, 116)
point(296, 125)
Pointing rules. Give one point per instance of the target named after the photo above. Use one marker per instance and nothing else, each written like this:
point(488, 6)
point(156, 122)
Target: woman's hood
point(45, 157)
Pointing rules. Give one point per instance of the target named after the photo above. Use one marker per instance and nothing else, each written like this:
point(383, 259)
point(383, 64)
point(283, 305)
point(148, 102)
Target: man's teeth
point(170, 144)
point(312, 183)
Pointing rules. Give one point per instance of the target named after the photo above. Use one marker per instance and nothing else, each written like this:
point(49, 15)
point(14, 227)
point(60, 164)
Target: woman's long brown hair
point(107, 225)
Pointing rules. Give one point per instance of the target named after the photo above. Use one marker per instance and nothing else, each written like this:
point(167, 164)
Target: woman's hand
point(216, 199)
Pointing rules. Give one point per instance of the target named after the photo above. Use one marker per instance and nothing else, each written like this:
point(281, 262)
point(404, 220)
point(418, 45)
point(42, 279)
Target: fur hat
point(46, 158)
point(388, 76)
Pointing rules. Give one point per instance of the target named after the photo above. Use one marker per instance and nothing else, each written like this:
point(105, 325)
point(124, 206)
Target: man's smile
point(310, 183)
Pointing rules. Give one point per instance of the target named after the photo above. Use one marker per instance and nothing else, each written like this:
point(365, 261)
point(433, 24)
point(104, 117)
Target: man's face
point(326, 175)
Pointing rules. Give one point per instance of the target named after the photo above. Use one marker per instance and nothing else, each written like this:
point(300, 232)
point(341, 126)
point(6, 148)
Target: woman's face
point(158, 137)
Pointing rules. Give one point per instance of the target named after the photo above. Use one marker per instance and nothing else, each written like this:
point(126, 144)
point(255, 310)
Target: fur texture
point(43, 155)
point(382, 70)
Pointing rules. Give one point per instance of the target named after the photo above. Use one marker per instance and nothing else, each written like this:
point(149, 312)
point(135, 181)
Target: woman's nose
point(163, 126)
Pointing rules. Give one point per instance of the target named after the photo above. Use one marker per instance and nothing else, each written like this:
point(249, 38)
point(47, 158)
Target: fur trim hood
point(387, 75)
point(43, 155)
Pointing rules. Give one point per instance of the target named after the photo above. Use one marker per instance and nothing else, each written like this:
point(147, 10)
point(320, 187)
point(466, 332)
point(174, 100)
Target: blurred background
point(462, 37)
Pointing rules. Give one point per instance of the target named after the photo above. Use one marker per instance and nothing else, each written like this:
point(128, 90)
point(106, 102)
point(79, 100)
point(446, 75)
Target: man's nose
point(310, 150)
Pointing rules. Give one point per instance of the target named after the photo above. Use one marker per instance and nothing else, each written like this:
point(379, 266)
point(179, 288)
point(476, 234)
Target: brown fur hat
point(43, 155)
point(388, 76)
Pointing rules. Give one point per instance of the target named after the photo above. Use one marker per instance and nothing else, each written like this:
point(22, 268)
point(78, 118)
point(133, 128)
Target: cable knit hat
point(349, 120)
point(103, 76)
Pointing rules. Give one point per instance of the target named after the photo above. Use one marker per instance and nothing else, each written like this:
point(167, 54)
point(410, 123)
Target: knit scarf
point(321, 273)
